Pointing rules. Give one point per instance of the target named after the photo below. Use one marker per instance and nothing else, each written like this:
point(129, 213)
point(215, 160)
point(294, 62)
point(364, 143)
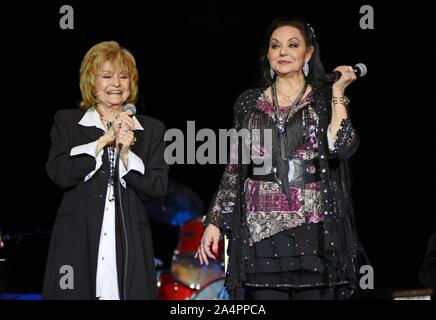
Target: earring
point(272, 73)
point(306, 69)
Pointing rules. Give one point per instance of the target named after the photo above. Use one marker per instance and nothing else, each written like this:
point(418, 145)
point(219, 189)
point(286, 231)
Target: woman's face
point(112, 87)
point(287, 51)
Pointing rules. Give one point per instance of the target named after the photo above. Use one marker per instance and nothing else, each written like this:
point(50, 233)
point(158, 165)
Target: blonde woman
point(99, 249)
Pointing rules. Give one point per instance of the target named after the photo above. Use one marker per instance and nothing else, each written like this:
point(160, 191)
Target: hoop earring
point(306, 69)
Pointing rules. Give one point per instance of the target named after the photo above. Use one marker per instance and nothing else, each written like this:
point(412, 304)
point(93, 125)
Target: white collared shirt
point(107, 276)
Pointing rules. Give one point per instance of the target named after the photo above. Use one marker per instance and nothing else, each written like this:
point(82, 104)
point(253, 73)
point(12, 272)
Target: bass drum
point(171, 289)
point(213, 291)
point(187, 269)
point(190, 237)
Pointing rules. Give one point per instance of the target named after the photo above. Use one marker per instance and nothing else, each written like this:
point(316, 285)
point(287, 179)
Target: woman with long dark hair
point(291, 231)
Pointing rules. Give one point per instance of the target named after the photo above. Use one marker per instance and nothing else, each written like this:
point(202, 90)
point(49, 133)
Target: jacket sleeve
point(347, 140)
point(65, 170)
point(154, 182)
point(225, 198)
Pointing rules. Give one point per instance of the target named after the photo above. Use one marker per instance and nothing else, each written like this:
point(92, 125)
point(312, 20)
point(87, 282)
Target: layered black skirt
point(291, 258)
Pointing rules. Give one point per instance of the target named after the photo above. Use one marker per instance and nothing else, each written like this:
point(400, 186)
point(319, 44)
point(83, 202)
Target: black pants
point(319, 293)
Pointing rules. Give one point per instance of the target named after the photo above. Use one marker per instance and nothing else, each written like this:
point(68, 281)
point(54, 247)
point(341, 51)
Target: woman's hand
point(122, 122)
point(107, 139)
point(109, 136)
point(123, 119)
point(123, 127)
point(210, 239)
point(347, 77)
point(126, 137)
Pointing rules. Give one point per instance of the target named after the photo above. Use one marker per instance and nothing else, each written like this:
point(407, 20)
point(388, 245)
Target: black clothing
point(76, 231)
point(335, 239)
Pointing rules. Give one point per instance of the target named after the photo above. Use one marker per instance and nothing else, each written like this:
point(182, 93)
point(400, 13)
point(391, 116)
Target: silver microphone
point(130, 107)
point(359, 69)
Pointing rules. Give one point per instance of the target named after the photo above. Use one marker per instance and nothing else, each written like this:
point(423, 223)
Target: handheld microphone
point(129, 107)
point(359, 69)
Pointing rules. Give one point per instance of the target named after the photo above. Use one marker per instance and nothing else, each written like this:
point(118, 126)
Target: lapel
point(90, 125)
point(93, 133)
point(138, 147)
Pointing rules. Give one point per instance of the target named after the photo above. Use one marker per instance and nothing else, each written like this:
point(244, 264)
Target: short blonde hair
point(121, 59)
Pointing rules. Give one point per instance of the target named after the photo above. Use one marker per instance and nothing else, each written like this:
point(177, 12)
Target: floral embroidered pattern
point(225, 199)
point(268, 211)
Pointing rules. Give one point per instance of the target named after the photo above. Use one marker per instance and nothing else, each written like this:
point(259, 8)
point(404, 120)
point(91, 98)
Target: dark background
point(194, 59)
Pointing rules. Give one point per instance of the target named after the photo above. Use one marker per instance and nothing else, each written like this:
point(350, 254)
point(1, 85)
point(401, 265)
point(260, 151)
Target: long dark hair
point(316, 76)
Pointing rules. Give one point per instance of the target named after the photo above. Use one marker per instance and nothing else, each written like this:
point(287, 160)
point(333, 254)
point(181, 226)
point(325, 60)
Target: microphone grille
point(130, 107)
point(362, 68)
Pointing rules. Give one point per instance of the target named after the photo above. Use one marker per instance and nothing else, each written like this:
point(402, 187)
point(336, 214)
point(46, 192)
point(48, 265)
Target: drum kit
point(186, 279)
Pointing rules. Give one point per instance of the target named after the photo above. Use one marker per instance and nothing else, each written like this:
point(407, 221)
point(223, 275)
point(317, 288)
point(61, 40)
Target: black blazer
point(76, 231)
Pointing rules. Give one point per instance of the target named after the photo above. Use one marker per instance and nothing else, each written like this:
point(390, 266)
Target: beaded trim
point(345, 135)
point(111, 153)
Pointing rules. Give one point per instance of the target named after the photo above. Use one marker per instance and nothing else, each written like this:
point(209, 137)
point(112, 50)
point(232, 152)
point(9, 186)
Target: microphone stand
point(120, 213)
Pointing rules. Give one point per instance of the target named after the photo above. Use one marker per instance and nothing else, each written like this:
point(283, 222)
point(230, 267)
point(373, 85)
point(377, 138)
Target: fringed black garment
point(291, 234)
